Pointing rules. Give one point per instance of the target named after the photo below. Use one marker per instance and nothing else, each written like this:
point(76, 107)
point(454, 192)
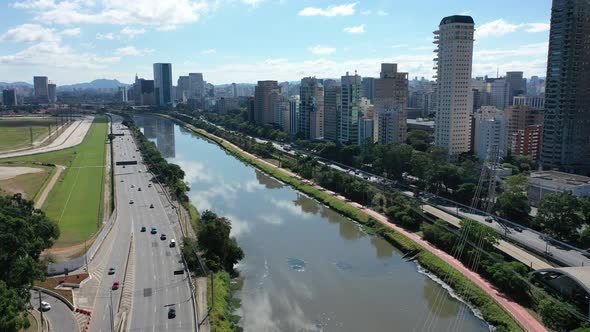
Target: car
point(139, 189)
point(163, 237)
point(151, 206)
point(548, 253)
point(143, 228)
point(111, 271)
point(45, 306)
point(122, 180)
point(518, 229)
point(115, 285)
point(171, 313)
point(172, 243)
point(131, 201)
point(132, 186)
point(154, 230)
point(149, 185)
point(489, 219)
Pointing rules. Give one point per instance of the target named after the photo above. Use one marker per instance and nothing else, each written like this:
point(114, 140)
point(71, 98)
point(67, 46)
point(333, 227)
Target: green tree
point(221, 250)
point(557, 315)
point(509, 277)
point(559, 215)
point(513, 206)
point(420, 140)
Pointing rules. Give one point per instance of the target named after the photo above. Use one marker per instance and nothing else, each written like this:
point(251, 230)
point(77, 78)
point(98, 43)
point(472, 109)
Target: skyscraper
point(264, 101)
point(311, 109)
point(332, 100)
point(41, 94)
point(454, 61)
point(490, 131)
point(350, 109)
point(566, 133)
point(525, 130)
point(196, 86)
point(182, 88)
point(390, 96)
point(515, 85)
point(368, 84)
point(52, 92)
point(9, 97)
point(163, 83)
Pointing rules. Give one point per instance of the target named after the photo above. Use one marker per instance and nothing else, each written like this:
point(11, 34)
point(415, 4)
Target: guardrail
point(56, 295)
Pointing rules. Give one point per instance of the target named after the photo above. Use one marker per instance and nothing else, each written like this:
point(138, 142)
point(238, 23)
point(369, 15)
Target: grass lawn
point(75, 202)
point(29, 184)
point(15, 132)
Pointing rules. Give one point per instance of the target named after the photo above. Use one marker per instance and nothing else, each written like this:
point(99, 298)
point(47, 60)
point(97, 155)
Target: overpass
point(572, 282)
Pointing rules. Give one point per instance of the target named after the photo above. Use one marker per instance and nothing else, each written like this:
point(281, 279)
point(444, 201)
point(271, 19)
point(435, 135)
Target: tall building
point(490, 130)
point(454, 61)
point(264, 101)
point(350, 108)
point(234, 89)
point(516, 85)
point(566, 134)
point(182, 88)
point(534, 102)
point(332, 100)
point(497, 93)
point(52, 93)
point(196, 86)
point(40, 84)
point(525, 130)
point(9, 97)
point(368, 87)
point(163, 83)
point(122, 94)
point(390, 96)
point(311, 109)
point(366, 130)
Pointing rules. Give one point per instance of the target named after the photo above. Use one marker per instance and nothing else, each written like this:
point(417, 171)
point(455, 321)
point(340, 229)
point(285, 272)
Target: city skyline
point(109, 42)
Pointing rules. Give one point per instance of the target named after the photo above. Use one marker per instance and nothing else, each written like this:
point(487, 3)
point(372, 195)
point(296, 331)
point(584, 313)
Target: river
point(306, 267)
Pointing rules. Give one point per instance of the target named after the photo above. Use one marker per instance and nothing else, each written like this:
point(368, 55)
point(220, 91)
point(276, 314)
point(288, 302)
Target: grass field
point(75, 202)
point(29, 184)
point(15, 132)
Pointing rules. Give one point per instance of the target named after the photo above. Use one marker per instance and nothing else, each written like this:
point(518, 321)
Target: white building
point(122, 94)
point(490, 130)
point(454, 61)
point(553, 182)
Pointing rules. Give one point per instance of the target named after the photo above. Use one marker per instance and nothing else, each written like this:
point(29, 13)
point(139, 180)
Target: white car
point(45, 306)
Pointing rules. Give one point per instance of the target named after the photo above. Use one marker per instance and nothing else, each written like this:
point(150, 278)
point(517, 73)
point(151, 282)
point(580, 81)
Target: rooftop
point(561, 178)
point(457, 19)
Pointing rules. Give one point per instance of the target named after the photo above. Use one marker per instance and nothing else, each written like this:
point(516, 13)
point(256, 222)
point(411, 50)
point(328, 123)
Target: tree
point(557, 315)
point(24, 233)
point(221, 250)
point(509, 277)
point(419, 140)
point(513, 206)
point(559, 215)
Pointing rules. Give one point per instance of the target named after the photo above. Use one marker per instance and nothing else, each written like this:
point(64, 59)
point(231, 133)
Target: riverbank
point(489, 301)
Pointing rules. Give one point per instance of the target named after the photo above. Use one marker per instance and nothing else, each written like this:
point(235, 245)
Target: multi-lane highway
point(150, 288)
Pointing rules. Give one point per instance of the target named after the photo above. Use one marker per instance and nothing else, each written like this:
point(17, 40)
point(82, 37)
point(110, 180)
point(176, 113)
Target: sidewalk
point(520, 314)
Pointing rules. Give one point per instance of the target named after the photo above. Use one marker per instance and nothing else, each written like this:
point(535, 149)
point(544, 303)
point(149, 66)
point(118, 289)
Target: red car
point(115, 285)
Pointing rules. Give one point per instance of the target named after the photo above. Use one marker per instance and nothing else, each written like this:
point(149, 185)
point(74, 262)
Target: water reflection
point(306, 267)
point(432, 294)
point(160, 131)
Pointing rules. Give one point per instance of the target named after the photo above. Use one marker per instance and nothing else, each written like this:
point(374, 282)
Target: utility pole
point(40, 309)
point(86, 256)
point(31, 134)
point(112, 320)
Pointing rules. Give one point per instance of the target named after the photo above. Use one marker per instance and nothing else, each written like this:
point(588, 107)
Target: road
point(60, 316)
point(150, 283)
point(72, 136)
point(532, 240)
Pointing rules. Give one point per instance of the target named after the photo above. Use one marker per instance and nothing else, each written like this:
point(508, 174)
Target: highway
point(150, 287)
point(60, 316)
point(535, 242)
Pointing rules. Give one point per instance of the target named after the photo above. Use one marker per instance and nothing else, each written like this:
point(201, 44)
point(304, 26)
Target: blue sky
point(247, 40)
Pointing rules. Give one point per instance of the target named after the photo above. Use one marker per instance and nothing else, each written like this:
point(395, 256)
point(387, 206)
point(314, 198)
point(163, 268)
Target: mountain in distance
point(15, 84)
point(102, 83)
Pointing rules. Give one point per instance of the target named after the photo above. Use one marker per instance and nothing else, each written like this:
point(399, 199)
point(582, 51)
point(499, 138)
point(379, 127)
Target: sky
point(244, 41)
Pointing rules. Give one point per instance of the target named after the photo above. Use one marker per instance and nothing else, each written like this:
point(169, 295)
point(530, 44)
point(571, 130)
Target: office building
point(291, 116)
point(122, 94)
point(525, 130)
point(516, 85)
point(264, 101)
point(9, 97)
point(554, 182)
point(196, 86)
point(311, 109)
point(497, 93)
point(390, 96)
point(534, 102)
point(566, 133)
point(366, 130)
point(234, 89)
point(332, 100)
point(182, 89)
point(350, 108)
point(52, 93)
point(368, 87)
point(41, 90)
point(490, 132)
point(163, 84)
point(454, 62)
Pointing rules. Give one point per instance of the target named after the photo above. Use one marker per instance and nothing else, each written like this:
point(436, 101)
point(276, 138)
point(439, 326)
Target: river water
point(306, 268)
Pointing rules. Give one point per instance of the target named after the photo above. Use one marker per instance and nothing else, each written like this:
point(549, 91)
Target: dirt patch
point(10, 172)
point(28, 183)
point(51, 283)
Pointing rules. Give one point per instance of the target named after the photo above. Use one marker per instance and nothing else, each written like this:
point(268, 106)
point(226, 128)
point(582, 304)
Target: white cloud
point(30, 33)
point(73, 32)
point(209, 51)
point(131, 50)
point(57, 56)
point(340, 10)
point(399, 45)
point(382, 13)
point(537, 27)
point(253, 3)
point(105, 36)
point(495, 28)
point(119, 12)
point(321, 50)
point(132, 32)
point(366, 12)
point(526, 51)
point(355, 29)
point(167, 27)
